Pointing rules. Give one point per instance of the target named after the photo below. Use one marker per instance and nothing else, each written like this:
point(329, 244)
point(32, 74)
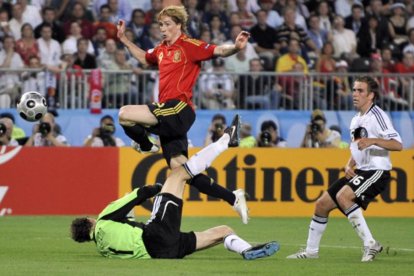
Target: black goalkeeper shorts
point(161, 234)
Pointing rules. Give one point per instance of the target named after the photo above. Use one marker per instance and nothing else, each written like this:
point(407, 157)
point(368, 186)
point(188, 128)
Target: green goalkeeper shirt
point(115, 235)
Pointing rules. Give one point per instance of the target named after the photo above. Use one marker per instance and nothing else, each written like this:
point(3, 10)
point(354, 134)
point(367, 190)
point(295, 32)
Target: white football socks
point(316, 229)
point(357, 220)
point(203, 159)
point(236, 244)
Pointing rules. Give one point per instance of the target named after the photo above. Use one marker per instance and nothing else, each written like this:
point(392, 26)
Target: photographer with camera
point(318, 135)
point(103, 136)
point(6, 128)
point(216, 129)
point(269, 137)
point(46, 134)
point(18, 133)
point(217, 87)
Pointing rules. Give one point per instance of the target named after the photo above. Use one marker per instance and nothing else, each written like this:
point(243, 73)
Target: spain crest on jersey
point(177, 56)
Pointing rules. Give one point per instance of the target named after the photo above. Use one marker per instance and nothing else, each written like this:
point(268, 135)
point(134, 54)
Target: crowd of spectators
point(286, 36)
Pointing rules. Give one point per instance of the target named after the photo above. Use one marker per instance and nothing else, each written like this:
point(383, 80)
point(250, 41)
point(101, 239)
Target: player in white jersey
point(367, 172)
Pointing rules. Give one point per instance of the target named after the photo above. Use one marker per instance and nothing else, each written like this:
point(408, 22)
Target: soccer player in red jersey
point(179, 60)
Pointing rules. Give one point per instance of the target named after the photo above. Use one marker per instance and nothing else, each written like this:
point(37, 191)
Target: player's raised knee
point(226, 230)
point(123, 111)
point(322, 204)
point(124, 115)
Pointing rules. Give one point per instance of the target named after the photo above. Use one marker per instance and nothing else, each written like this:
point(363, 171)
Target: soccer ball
point(32, 106)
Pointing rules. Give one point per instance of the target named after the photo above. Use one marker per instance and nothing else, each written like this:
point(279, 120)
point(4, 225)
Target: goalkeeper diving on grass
point(116, 236)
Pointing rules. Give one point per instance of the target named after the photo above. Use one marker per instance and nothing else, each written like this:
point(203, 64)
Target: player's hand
point(349, 172)
point(50, 136)
point(96, 132)
point(241, 40)
point(36, 128)
point(364, 143)
point(121, 29)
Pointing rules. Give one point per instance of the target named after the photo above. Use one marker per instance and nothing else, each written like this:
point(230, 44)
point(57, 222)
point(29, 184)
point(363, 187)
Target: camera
point(107, 129)
point(3, 129)
point(315, 128)
point(218, 127)
point(44, 128)
point(218, 96)
point(265, 139)
point(105, 133)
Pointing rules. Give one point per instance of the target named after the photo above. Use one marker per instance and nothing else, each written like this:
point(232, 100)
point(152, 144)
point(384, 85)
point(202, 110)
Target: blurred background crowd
point(302, 54)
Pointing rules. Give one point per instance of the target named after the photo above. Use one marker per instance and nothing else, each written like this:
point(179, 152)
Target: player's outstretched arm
point(118, 209)
point(230, 49)
point(137, 52)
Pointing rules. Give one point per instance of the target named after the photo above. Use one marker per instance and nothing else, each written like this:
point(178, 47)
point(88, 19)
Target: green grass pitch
point(40, 245)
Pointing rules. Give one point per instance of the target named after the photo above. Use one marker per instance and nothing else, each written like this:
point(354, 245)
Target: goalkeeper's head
point(81, 229)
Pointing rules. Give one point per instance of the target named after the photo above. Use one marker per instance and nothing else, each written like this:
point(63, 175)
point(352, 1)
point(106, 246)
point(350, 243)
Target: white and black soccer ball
point(32, 106)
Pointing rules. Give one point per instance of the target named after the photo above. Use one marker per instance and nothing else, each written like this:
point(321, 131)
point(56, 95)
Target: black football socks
point(139, 135)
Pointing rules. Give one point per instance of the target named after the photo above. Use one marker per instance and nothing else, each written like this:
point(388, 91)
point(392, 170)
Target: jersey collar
point(369, 109)
point(180, 38)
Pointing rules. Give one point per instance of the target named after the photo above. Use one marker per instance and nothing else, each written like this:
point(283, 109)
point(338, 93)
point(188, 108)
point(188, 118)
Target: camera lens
point(108, 129)
point(3, 129)
point(44, 128)
point(265, 138)
point(316, 128)
point(218, 126)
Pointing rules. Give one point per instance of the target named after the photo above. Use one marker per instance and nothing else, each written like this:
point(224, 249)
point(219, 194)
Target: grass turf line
point(40, 245)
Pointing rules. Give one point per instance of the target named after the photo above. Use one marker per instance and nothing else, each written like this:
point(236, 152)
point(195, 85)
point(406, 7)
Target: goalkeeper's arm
point(147, 192)
point(117, 210)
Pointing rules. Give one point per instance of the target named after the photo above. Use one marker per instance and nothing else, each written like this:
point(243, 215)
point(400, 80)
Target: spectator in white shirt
point(344, 7)
point(49, 49)
point(17, 20)
point(9, 82)
point(344, 40)
point(274, 19)
point(70, 43)
point(31, 14)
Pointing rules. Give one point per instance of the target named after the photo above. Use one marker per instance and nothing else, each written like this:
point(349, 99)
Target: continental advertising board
point(280, 182)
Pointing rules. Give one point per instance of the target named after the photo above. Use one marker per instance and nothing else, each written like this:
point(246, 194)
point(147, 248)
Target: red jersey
point(179, 66)
point(402, 69)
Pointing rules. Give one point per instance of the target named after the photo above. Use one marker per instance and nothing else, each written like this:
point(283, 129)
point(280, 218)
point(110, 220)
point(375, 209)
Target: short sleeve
point(386, 129)
point(151, 56)
point(197, 50)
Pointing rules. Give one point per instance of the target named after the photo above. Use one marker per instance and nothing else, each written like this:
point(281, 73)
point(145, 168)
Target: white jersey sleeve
point(385, 128)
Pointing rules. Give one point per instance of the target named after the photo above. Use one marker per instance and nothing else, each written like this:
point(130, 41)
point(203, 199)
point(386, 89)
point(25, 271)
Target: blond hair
point(178, 14)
